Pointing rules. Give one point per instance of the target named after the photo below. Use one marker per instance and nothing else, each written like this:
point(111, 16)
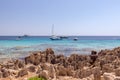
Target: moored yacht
point(64, 37)
point(53, 37)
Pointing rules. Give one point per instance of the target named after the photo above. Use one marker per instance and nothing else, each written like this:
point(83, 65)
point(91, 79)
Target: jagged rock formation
point(103, 65)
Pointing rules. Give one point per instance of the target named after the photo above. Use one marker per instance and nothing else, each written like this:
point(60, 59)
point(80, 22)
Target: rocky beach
point(102, 65)
point(59, 39)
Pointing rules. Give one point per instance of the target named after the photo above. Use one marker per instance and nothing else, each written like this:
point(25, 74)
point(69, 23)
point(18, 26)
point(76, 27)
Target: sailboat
point(53, 37)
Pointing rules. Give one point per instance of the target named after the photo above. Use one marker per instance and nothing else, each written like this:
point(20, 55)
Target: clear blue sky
point(70, 17)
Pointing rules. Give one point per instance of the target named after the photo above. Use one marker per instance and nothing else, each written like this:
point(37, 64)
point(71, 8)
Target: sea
point(11, 47)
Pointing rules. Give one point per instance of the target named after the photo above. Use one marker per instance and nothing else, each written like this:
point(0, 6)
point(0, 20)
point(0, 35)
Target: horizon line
point(61, 35)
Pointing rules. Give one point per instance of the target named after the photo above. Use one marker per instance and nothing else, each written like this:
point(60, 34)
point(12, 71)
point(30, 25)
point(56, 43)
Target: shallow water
point(10, 47)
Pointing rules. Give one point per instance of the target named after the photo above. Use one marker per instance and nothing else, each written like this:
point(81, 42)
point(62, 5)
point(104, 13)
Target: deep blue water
point(10, 47)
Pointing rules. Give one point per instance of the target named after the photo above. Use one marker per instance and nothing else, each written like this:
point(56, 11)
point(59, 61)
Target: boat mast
point(52, 29)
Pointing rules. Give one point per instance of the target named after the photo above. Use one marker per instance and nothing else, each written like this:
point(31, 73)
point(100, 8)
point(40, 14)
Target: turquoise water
point(10, 47)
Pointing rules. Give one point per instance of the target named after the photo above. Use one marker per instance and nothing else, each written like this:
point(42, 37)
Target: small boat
point(18, 38)
point(53, 37)
point(64, 37)
point(75, 39)
point(25, 35)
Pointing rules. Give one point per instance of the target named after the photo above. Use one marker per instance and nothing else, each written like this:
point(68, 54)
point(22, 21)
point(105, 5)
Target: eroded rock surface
point(103, 65)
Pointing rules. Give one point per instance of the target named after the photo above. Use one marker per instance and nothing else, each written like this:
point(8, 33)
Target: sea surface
point(11, 47)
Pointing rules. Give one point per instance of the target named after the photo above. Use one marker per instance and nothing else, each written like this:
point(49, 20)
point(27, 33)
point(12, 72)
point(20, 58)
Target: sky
point(70, 17)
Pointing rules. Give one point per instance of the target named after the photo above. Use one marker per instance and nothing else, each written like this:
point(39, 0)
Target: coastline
point(9, 45)
point(102, 65)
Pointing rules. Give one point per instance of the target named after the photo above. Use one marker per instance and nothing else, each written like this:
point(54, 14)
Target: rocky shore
point(103, 65)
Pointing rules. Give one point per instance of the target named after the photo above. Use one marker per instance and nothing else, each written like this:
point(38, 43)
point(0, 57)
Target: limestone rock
point(49, 51)
point(1, 74)
point(45, 66)
point(117, 72)
point(108, 76)
point(44, 74)
point(62, 71)
point(22, 73)
point(31, 69)
point(83, 73)
point(93, 56)
point(97, 73)
point(107, 68)
point(19, 64)
point(33, 58)
point(5, 73)
point(52, 72)
point(117, 78)
point(39, 70)
point(93, 52)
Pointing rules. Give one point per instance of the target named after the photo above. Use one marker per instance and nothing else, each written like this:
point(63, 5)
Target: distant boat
point(18, 38)
point(25, 35)
point(75, 39)
point(53, 37)
point(64, 37)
